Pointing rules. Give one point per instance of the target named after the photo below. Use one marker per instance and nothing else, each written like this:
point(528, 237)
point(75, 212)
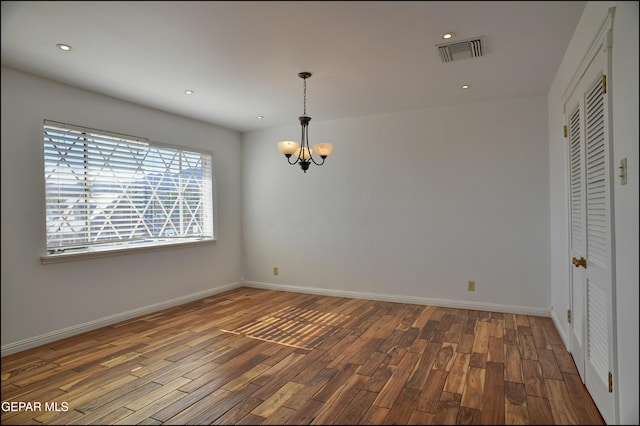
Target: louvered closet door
point(592, 333)
point(575, 137)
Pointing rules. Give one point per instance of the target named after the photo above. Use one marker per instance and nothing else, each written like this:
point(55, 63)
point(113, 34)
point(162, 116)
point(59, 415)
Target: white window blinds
point(105, 190)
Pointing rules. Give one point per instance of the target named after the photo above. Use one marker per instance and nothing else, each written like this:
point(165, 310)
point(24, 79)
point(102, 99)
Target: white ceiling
point(242, 58)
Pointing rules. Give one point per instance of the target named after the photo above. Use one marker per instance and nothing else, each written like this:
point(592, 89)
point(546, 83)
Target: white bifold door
point(587, 111)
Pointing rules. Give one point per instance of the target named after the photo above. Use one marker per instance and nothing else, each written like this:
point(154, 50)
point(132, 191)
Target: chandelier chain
point(305, 97)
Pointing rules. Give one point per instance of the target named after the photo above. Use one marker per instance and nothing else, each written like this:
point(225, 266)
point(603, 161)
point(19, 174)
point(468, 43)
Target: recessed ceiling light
point(64, 47)
point(260, 117)
point(465, 86)
point(447, 36)
point(189, 92)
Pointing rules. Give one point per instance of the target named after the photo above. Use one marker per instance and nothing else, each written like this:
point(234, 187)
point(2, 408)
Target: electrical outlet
point(471, 286)
point(275, 270)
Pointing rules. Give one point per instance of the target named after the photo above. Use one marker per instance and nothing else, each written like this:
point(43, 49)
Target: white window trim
point(98, 253)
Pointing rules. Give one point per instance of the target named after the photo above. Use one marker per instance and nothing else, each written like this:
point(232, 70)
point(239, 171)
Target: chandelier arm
point(295, 162)
point(305, 141)
point(316, 163)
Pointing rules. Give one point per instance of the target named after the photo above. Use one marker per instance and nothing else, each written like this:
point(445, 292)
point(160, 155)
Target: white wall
point(409, 207)
point(623, 83)
point(43, 302)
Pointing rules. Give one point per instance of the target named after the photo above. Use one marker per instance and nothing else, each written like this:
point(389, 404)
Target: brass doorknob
point(579, 262)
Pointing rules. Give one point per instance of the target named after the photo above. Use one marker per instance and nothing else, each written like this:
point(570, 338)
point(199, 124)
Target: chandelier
point(303, 153)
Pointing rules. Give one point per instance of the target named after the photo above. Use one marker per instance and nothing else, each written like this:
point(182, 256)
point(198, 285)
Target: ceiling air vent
point(453, 51)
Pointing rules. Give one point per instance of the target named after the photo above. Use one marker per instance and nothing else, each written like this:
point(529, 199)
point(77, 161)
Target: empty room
point(301, 212)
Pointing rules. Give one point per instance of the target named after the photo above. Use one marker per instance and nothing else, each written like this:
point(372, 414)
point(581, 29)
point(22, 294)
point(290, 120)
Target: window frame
point(49, 255)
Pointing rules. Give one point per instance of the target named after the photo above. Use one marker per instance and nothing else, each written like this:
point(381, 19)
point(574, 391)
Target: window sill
point(97, 253)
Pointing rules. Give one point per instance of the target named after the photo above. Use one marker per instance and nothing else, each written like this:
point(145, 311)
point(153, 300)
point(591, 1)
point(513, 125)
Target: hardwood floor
point(253, 356)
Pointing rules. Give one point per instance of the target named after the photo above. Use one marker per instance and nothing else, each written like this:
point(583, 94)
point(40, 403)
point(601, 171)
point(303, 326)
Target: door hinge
point(569, 315)
point(565, 131)
point(604, 84)
point(610, 382)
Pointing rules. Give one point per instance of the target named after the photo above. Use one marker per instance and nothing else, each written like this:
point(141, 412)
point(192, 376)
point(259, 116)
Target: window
point(106, 191)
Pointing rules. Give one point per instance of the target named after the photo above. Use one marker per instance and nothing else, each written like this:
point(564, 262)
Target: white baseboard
point(510, 309)
point(52, 336)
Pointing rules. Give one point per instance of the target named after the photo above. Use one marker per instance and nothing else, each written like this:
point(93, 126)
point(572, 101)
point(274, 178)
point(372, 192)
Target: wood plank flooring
point(254, 356)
